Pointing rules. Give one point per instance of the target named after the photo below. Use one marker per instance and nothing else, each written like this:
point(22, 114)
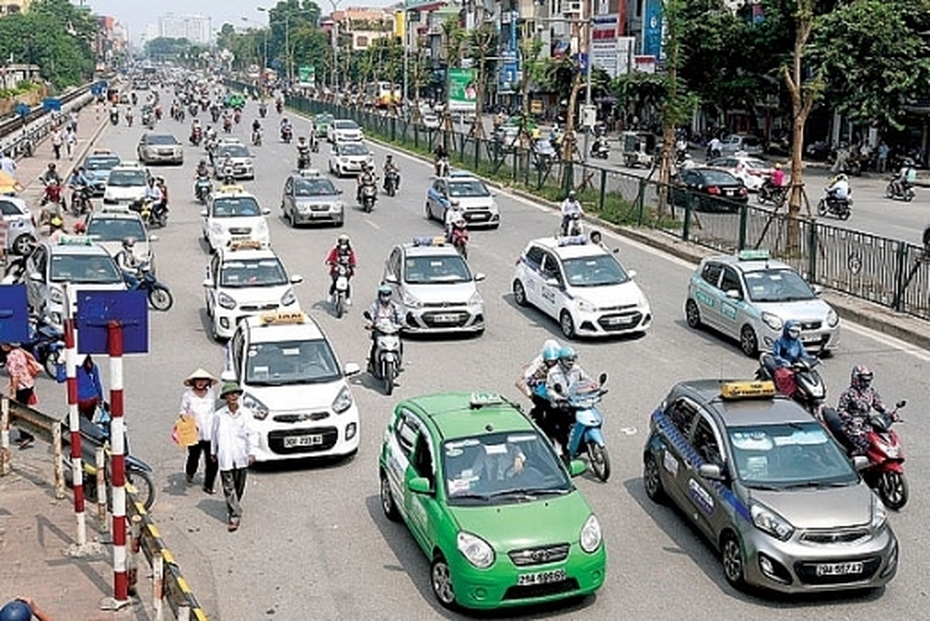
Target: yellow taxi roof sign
point(281, 318)
point(749, 389)
point(246, 244)
point(232, 188)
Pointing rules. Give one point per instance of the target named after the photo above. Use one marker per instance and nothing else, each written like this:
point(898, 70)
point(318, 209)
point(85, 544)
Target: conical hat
point(200, 373)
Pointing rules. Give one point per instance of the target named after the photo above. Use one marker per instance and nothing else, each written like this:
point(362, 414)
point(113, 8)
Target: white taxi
point(232, 214)
point(243, 279)
point(126, 184)
point(582, 286)
point(294, 385)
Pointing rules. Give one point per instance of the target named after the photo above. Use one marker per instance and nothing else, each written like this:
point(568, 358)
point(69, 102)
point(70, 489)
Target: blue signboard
point(652, 28)
point(95, 311)
point(22, 109)
point(51, 104)
point(14, 314)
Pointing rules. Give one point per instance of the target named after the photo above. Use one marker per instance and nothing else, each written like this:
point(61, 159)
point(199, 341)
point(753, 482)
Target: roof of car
point(461, 414)
point(128, 165)
point(225, 191)
point(231, 253)
point(76, 245)
point(743, 263)
point(293, 326)
point(428, 245)
point(765, 409)
point(570, 247)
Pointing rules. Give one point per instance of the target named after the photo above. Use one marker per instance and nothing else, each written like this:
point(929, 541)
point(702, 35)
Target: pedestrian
point(57, 141)
point(70, 142)
point(199, 402)
point(7, 164)
point(89, 388)
point(73, 120)
point(883, 156)
point(233, 448)
point(23, 609)
point(22, 384)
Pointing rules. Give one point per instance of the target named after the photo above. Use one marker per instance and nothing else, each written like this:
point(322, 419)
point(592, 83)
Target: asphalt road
point(314, 543)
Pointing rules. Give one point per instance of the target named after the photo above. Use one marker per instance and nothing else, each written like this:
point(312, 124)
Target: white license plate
point(541, 577)
point(445, 318)
point(810, 338)
point(616, 321)
point(312, 440)
point(839, 569)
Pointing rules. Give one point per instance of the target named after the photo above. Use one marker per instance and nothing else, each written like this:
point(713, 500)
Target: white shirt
point(571, 207)
point(234, 438)
point(202, 409)
point(840, 189)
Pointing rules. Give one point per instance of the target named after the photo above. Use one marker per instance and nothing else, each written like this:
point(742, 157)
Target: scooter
point(158, 294)
point(203, 189)
point(80, 201)
point(286, 134)
point(369, 196)
point(342, 290)
point(600, 148)
point(303, 159)
point(387, 356)
point(460, 240)
point(768, 193)
point(262, 110)
point(839, 207)
point(571, 225)
point(46, 344)
point(442, 167)
point(586, 432)
point(391, 181)
point(145, 207)
point(114, 117)
point(810, 391)
point(257, 137)
point(900, 190)
point(885, 470)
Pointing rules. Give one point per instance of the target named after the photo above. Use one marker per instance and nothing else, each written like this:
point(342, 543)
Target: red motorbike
point(196, 136)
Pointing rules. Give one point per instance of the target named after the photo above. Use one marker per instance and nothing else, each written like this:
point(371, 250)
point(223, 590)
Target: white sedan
point(750, 170)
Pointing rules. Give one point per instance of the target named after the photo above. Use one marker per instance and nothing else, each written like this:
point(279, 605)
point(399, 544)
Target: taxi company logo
point(540, 556)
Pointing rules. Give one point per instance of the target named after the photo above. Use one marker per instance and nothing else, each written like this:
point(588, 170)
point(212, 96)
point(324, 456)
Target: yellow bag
point(184, 432)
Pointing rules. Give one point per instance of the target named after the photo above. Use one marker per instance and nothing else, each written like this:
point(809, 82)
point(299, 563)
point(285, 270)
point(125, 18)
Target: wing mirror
point(351, 369)
point(296, 279)
point(480, 276)
point(391, 278)
point(602, 379)
point(366, 315)
point(712, 472)
point(577, 467)
point(203, 213)
point(734, 294)
point(208, 283)
point(420, 485)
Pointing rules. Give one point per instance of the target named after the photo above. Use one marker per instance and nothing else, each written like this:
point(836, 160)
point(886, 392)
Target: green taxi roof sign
point(481, 399)
point(755, 254)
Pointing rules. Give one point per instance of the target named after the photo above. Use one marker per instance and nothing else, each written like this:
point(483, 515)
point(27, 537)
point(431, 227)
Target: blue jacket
point(788, 350)
point(88, 383)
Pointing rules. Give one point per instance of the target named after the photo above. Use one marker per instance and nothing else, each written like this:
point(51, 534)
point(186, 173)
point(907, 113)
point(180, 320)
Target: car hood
point(296, 397)
point(455, 293)
point(611, 295)
point(249, 295)
point(236, 160)
point(353, 156)
point(823, 507)
point(225, 223)
point(803, 310)
point(548, 520)
point(472, 202)
point(318, 200)
point(141, 250)
point(131, 192)
point(162, 147)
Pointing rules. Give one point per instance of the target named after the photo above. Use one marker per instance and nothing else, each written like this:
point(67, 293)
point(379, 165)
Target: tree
point(53, 36)
point(480, 42)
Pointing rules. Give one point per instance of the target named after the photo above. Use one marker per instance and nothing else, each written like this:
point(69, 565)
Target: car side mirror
point(35, 277)
point(712, 472)
point(602, 379)
point(480, 276)
point(552, 282)
point(860, 462)
point(577, 467)
point(391, 278)
point(734, 294)
point(266, 211)
point(631, 274)
point(366, 315)
point(817, 289)
point(203, 213)
point(296, 279)
point(208, 283)
point(153, 238)
point(900, 404)
point(338, 191)
point(420, 485)
point(351, 369)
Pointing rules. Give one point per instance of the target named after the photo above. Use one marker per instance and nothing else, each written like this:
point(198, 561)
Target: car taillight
point(712, 189)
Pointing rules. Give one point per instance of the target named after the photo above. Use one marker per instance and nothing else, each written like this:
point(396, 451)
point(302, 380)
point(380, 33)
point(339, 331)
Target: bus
point(383, 94)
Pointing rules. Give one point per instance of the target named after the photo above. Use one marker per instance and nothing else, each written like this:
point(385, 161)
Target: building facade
point(11, 7)
point(197, 29)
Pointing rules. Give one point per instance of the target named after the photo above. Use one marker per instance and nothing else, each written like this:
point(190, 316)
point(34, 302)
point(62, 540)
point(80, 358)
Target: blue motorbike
point(46, 344)
point(586, 434)
point(159, 295)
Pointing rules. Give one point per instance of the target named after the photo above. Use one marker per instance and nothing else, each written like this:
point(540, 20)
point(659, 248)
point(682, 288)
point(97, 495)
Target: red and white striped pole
point(118, 461)
point(74, 424)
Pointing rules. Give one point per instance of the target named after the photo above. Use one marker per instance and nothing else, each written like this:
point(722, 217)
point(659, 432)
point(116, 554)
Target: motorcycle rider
point(390, 167)
point(532, 383)
point(787, 350)
point(341, 254)
point(303, 153)
point(838, 190)
point(227, 122)
point(559, 384)
point(383, 308)
point(905, 179)
point(202, 172)
point(128, 115)
point(367, 177)
point(285, 127)
point(196, 131)
point(570, 208)
point(79, 184)
point(440, 154)
point(314, 139)
point(459, 234)
point(129, 263)
point(256, 131)
point(855, 405)
point(263, 108)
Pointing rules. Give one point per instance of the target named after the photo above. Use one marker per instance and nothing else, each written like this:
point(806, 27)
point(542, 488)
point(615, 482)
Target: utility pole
point(406, 44)
point(589, 65)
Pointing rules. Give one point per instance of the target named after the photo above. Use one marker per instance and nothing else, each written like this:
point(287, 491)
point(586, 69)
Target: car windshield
point(353, 148)
point(501, 468)
point(304, 188)
point(789, 455)
point(236, 207)
point(160, 139)
point(101, 163)
point(233, 150)
point(345, 125)
point(442, 269)
point(253, 273)
point(468, 188)
point(719, 177)
point(594, 271)
point(84, 269)
point(777, 285)
point(755, 164)
point(290, 362)
point(115, 229)
point(126, 178)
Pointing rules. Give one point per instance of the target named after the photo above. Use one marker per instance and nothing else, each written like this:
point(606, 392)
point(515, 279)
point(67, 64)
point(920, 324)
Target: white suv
point(581, 285)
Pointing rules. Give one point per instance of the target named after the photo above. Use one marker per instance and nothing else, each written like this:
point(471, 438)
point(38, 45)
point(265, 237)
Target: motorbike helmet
point(129, 242)
point(567, 357)
point(777, 166)
point(841, 177)
point(342, 240)
point(571, 194)
point(550, 352)
point(56, 222)
point(17, 610)
point(861, 377)
point(79, 227)
point(384, 293)
point(792, 329)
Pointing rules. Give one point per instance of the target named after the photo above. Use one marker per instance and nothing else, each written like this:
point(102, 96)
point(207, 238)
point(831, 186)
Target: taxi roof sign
point(749, 389)
point(116, 209)
point(310, 172)
point(572, 240)
point(246, 244)
point(281, 318)
point(755, 254)
point(232, 188)
point(75, 240)
point(429, 240)
point(481, 399)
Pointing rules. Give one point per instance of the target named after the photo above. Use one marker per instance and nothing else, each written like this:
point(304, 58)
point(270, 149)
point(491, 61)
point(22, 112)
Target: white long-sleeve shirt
point(203, 409)
point(234, 438)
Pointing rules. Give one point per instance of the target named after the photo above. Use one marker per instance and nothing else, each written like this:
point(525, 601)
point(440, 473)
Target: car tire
point(567, 324)
point(429, 212)
point(652, 480)
point(22, 243)
point(519, 294)
point(440, 580)
point(388, 506)
point(748, 341)
point(692, 315)
point(731, 557)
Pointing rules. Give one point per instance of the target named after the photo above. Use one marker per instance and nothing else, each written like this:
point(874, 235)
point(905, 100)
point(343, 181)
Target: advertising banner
point(604, 43)
point(652, 28)
point(306, 76)
point(463, 89)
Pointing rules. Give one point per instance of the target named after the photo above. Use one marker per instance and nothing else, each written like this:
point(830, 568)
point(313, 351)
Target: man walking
point(233, 445)
point(7, 164)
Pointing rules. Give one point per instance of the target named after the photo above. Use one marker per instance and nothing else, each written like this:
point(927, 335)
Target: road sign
point(96, 309)
point(51, 104)
point(22, 109)
point(14, 314)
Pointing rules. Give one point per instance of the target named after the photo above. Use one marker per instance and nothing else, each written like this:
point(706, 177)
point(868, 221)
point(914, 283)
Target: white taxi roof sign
point(429, 240)
point(281, 318)
point(481, 399)
point(75, 240)
point(310, 172)
point(749, 389)
point(115, 209)
point(246, 244)
point(754, 254)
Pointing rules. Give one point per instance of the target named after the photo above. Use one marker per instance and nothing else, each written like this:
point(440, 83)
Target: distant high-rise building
point(195, 28)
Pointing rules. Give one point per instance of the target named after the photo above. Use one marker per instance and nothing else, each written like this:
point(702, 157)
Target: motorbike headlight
point(585, 306)
point(591, 535)
point(832, 318)
point(288, 298)
point(772, 320)
point(259, 409)
point(770, 522)
point(225, 301)
point(411, 301)
point(879, 513)
point(475, 299)
point(343, 401)
point(476, 550)
point(56, 296)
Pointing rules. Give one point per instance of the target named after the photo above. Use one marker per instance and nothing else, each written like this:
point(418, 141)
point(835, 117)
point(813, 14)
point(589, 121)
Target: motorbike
point(810, 390)
point(769, 193)
point(237, 116)
point(286, 134)
point(839, 207)
point(159, 295)
point(215, 114)
point(157, 113)
point(128, 119)
point(900, 190)
point(227, 125)
point(257, 137)
point(369, 195)
point(202, 189)
point(46, 344)
point(180, 115)
point(442, 167)
point(571, 225)
point(387, 356)
point(134, 98)
point(196, 137)
point(148, 120)
point(391, 182)
point(303, 159)
point(262, 110)
point(193, 109)
point(114, 117)
point(460, 241)
point(885, 470)
point(151, 216)
point(279, 106)
point(93, 434)
point(600, 149)
point(314, 144)
point(586, 432)
point(80, 201)
point(342, 289)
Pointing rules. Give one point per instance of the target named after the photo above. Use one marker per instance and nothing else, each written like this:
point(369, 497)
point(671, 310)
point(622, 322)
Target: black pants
point(193, 461)
point(23, 395)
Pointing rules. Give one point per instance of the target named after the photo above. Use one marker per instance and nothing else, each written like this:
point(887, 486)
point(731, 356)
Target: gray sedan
point(160, 149)
point(309, 198)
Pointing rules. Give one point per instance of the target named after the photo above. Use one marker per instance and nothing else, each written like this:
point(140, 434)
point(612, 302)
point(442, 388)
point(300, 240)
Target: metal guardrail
point(36, 125)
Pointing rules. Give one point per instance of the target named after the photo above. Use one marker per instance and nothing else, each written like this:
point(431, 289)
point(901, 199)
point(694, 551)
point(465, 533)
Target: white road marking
point(372, 223)
point(889, 341)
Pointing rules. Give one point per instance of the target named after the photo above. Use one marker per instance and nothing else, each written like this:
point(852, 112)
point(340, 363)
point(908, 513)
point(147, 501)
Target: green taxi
point(234, 100)
point(322, 122)
point(488, 501)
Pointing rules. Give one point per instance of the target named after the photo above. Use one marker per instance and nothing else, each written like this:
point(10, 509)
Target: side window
point(406, 434)
point(40, 260)
point(289, 186)
point(711, 273)
point(423, 459)
point(395, 263)
point(9, 209)
point(688, 177)
point(235, 349)
point(682, 414)
point(705, 442)
point(730, 280)
point(213, 272)
point(534, 257)
point(550, 267)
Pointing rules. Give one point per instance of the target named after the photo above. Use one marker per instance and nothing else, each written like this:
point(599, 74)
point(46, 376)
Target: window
point(9, 209)
point(534, 257)
point(423, 459)
point(730, 281)
point(550, 268)
point(405, 430)
point(682, 414)
point(711, 273)
point(705, 442)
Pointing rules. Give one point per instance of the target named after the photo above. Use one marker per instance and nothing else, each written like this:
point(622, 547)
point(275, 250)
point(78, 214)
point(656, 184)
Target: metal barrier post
point(686, 228)
point(184, 612)
point(743, 213)
point(135, 532)
point(4, 436)
point(158, 585)
point(641, 200)
point(118, 459)
point(74, 423)
point(100, 459)
point(57, 457)
point(600, 196)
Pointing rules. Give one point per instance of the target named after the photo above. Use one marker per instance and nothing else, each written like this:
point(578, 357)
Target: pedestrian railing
point(20, 135)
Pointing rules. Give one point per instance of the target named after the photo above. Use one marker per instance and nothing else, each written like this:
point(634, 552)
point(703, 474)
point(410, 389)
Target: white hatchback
point(233, 214)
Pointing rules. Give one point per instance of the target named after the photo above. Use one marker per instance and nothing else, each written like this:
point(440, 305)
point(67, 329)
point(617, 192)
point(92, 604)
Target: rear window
point(719, 177)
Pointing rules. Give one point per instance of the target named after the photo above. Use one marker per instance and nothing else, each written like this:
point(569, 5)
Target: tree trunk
point(568, 138)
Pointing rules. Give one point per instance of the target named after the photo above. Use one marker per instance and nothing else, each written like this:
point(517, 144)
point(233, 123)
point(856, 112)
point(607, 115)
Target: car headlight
point(343, 401)
point(879, 513)
point(585, 306)
point(832, 318)
point(493, 206)
point(225, 301)
point(411, 301)
point(476, 550)
point(772, 320)
point(770, 522)
point(591, 534)
point(56, 296)
point(288, 298)
point(339, 205)
point(475, 299)
point(259, 409)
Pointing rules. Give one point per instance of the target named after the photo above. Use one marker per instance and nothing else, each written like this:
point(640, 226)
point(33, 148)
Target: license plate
point(541, 577)
point(810, 338)
point(839, 569)
point(445, 318)
point(293, 441)
point(319, 214)
point(616, 321)
point(730, 192)
point(479, 216)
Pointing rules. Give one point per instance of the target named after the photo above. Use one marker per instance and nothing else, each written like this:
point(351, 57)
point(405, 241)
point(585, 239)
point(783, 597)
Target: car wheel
point(692, 314)
point(441, 581)
point(731, 556)
point(567, 324)
point(429, 212)
point(22, 244)
point(387, 500)
point(748, 341)
point(652, 481)
point(519, 293)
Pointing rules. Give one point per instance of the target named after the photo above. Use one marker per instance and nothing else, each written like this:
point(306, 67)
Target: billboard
point(463, 89)
point(604, 43)
point(653, 19)
point(306, 77)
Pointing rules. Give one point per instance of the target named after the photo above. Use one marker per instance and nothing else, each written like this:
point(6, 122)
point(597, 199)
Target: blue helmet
point(792, 329)
point(551, 351)
point(567, 357)
point(17, 610)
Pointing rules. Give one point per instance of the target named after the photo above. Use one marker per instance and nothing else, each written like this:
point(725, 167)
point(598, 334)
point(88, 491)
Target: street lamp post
point(589, 65)
point(287, 41)
point(264, 43)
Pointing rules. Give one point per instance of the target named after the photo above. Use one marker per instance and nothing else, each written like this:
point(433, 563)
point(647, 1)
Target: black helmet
point(861, 377)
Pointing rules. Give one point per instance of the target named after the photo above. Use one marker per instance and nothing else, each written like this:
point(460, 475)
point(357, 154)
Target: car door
point(675, 424)
point(439, 199)
point(393, 273)
point(552, 289)
point(706, 497)
point(424, 513)
point(731, 304)
point(212, 286)
point(399, 440)
point(532, 274)
point(706, 293)
point(287, 201)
